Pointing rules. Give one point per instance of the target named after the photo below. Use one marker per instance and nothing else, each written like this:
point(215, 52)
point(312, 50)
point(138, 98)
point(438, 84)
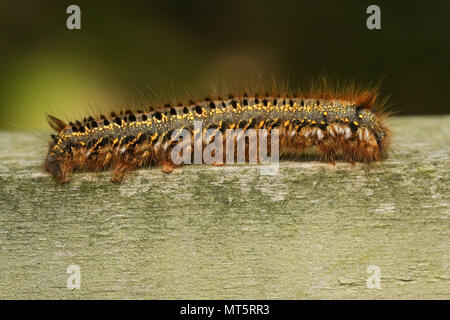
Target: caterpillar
point(347, 125)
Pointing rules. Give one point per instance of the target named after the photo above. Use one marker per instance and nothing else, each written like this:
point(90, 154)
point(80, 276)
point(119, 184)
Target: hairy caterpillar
point(347, 125)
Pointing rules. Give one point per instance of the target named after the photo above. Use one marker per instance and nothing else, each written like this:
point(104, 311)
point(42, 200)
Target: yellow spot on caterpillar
point(360, 116)
point(355, 123)
point(261, 123)
point(313, 122)
point(82, 143)
point(325, 113)
point(98, 142)
point(232, 126)
point(153, 137)
point(346, 120)
point(322, 122)
point(271, 123)
point(286, 123)
point(115, 140)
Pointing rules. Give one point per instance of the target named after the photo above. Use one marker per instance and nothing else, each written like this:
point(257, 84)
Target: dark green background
point(135, 45)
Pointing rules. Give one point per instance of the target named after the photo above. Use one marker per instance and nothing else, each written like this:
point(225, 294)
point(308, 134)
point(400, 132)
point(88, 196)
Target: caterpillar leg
point(60, 170)
point(215, 164)
point(120, 170)
point(167, 166)
point(107, 159)
point(328, 150)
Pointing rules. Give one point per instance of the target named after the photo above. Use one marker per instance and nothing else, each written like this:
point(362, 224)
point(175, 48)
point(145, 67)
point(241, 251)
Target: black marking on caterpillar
point(337, 127)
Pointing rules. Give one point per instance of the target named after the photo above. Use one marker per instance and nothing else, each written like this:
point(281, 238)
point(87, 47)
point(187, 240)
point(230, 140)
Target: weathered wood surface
point(309, 231)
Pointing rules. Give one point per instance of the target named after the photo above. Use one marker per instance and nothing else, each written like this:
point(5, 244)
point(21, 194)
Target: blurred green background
point(136, 46)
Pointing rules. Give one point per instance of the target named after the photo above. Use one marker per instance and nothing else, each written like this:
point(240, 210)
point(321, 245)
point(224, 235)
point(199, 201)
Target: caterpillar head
point(54, 163)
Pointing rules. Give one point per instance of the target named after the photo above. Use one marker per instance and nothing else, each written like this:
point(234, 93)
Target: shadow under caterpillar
point(348, 126)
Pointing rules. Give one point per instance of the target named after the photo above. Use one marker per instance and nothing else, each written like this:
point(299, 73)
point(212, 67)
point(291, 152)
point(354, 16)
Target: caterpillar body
point(348, 127)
